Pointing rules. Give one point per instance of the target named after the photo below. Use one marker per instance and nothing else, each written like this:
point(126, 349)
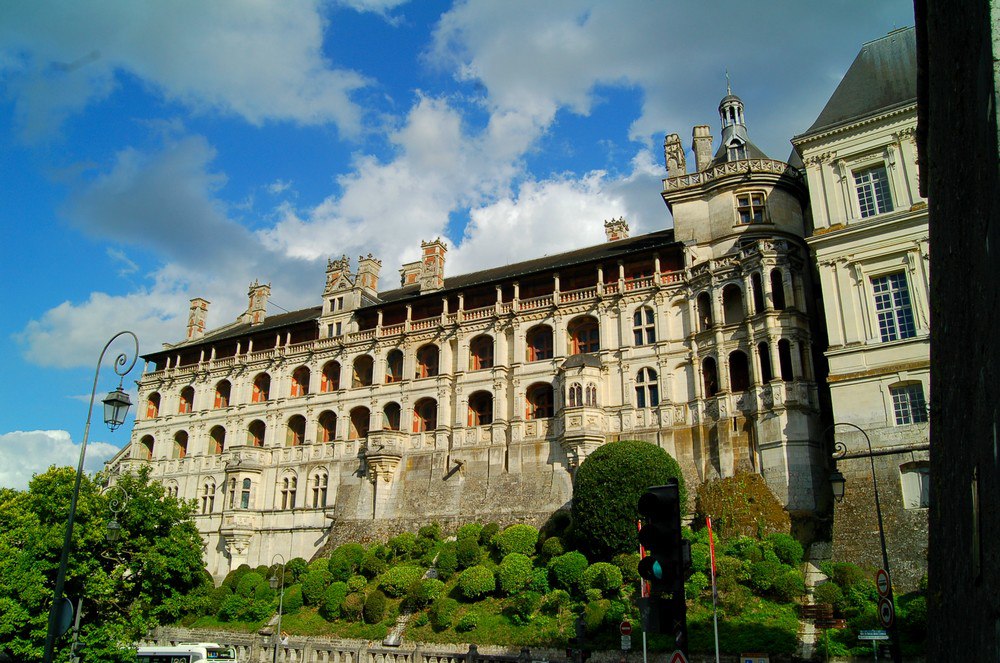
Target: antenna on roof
point(729, 90)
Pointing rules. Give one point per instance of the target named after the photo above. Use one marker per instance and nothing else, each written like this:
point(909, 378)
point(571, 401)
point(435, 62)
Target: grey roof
point(883, 76)
point(576, 361)
point(722, 154)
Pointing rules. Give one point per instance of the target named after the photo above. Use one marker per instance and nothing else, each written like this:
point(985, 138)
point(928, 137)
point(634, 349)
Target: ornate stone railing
point(730, 168)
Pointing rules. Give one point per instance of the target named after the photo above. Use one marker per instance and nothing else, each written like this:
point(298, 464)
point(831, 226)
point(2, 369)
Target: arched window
point(539, 343)
point(758, 292)
point(480, 408)
point(146, 447)
point(300, 382)
point(785, 360)
point(360, 417)
point(739, 371)
point(390, 416)
point(481, 352)
point(296, 431)
point(424, 415)
point(261, 388)
point(245, 495)
point(584, 335)
point(574, 395)
point(710, 375)
point(427, 361)
point(186, 400)
point(330, 380)
point(327, 426)
point(321, 481)
point(647, 389)
point(777, 290)
point(208, 496)
point(592, 394)
point(180, 444)
point(255, 433)
point(222, 391)
point(704, 305)
point(643, 326)
point(289, 486)
point(153, 406)
point(732, 304)
point(764, 356)
point(538, 401)
point(232, 493)
point(217, 440)
point(362, 372)
point(394, 366)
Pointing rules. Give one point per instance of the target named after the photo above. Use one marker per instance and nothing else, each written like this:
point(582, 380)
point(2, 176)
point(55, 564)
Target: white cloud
point(260, 60)
point(26, 453)
point(278, 187)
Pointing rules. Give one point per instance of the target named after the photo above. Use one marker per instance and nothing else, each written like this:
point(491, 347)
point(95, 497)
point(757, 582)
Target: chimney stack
point(701, 144)
point(257, 306)
point(673, 156)
point(432, 265)
point(197, 317)
point(368, 270)
point(616, 229)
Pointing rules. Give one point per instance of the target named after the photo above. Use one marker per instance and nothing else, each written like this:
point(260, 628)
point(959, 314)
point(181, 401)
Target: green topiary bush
point(340, 568)
point(354, 552)
point(468, 553)
point(789, 586)
point(424, 592)
point(468, 622)
point(604, 577)
point(321, 564)
point(401, 546)
point(469, 531)
point(356, 583)
point(248, 583)
point(521, 608)
point(432, 532)
point(555, 601)
point(442, 613)
point(292, 600)
point(314, 585)
point(264, 593)
point(233, 577)
point(593, 615)
point(514, 573)
point(628, 564)
point(519, 538)
point(486, 534)
point(539, 580)
point(551, 547)
point(398, 579)
point(476, 582)
point(295, 570)
point(352, 606)
point(447, 560)
point(374, 608)
point(567, 569)
point(333, 598)
point(788, 550)
point(695, 585)
point(701, 557)
point(729, 572)
point(763, 574)
point(372, 565)
point(829, 592)
point(741, 504)
point(607, 489)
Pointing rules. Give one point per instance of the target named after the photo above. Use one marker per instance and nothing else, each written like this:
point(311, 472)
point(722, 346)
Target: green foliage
point(788, 586)
point(522, 607)
point(701, 557)
point(604, 577)
point(476, 582)
point(788, 550)
point(486, 534)
point(567, 569)
point(374, 609)
point(518, 538)
point(398, 579)
point(373, 564)
point(592, 595)
point(443, 612)
point(292, 601)
point(239, 608)
point(401, 546)
point(539, 580)
point(314, 585)
point(555, 601)
point(296, 569)
point(593, 615)
point(356, 583)
point(353, 552)
point(514, 573)
point(741, 504)
point(432, 532)
point(264, 593)
point(424, 592)
point(468, 622)
point(340, 567)
point(730, 571)
point(468, 553)
point(469, 531)
point(447, 560)
point(763, 574)
point(333, 598)
point(551, 547)
point(606, 492)
point(829, 592)
point(232, 578)
point(320, 564)
point(248, 583)
point(352, 606)
point(628, 564)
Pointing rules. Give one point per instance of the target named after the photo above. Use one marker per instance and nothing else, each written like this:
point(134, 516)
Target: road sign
point(625, 628)
point(873, 635)
point(626, 642)
point(678, 657)
point(886, 613)
point(882, 582)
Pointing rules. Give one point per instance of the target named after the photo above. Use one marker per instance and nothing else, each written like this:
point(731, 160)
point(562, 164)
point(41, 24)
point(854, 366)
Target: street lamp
point(116, 504)
point(837, 483)
point(115, 407)
point(281, 597)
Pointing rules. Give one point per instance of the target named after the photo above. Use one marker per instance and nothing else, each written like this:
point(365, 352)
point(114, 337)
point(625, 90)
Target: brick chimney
point(673, 156)
point(368, 270)
point(196, 318)
point(701, 144)
point(432, 265)
point(257, 306)
point(616, 229)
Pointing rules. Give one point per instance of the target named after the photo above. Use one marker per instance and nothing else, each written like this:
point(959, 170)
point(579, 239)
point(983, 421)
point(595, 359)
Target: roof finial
point(729, 90)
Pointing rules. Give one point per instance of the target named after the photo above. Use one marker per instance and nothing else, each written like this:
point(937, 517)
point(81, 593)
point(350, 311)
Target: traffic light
point(667, 561)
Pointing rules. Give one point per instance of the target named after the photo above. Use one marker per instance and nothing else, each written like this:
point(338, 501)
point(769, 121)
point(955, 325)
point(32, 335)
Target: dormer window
point(750, 207)
point(737, 151)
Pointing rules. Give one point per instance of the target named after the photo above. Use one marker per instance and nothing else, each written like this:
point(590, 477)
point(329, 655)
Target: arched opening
point(764, 356)
point(732, 304)
point(180, 444)
point(584, 335)
point(289, 486)
point(739, 371)
point(362, 371)
point(574, 395)
point(296, 431)
point(424, 415)
point(539, 343)
point(704, 305)
point(261, 388)
point(245, 495)
point(394, 366)
point(480, 408)
point(330, 380)
point(390, 416)
point(217, 440)
point(208, 497)
point(591, 394)
point(785, 360)
point(758, 292)
point(153, 405)
point(300, 382)
point(710, 376)
point(427, 361)
point(538, 400)
point(327, 426)
point(360, 417)
point(222, 392)
point(321, 481)
point(643, 326)
point(777, 290)
point(186, 403)
point(481, 352)
point(647, 392)
point(146, 448)
point(255, 433)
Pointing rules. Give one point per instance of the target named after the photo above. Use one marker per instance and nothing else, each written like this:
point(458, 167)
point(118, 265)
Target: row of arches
point(734, 308)
point(740, 378)
point(238, 493)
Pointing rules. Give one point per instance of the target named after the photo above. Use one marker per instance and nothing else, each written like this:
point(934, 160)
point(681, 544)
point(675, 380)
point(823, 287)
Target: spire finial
point(729, 90)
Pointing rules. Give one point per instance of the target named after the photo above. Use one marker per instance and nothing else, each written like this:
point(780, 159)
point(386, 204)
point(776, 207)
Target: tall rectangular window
point(892, 304)
point(872, 186)
point(916, 483)
point(908, 404)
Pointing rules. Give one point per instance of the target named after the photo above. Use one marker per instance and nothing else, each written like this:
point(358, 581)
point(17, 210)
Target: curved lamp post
point(281, 597)
point(838, 483)
point(116, 406)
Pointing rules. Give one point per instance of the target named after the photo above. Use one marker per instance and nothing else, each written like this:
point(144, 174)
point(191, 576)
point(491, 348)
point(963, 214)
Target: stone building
point(870, 243)
point(475, 396)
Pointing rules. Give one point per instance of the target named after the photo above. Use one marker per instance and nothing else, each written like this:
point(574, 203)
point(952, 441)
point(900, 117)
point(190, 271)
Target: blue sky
point(156, 152)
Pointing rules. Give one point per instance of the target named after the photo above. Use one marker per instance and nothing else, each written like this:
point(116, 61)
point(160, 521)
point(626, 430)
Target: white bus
point(187, 653)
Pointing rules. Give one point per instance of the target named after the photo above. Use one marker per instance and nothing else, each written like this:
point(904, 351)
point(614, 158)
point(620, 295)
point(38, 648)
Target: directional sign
point(626, 642)
point(882, 582)
point(625, 628)
point(678, 657)
point(886, 613)
point(873, 635)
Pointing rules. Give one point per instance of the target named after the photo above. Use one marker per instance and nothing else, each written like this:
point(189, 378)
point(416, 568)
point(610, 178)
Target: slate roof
point(883, 76)
point(722, 154)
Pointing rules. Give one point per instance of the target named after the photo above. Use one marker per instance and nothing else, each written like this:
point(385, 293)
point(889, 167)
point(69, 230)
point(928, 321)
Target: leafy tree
point(607, 490)
point(468, 553)
point(126, 586)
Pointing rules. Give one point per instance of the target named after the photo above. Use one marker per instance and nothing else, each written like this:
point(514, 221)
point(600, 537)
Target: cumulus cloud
point(47, 448)
point(260, 60)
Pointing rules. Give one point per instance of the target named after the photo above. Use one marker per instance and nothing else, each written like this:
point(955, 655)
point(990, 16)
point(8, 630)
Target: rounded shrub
point(520, 538)
point(296, 569)
point(486, 534)
point(701, 557)
point(314, 585)
point(374, 608)
point(352, 606)
point(447, 560)
point(468, 553)
point(594, 613)
point(398, 579)
point(521, 607)
point(592, 595)
point(617, 612)
point(443, 612)
point(787, 548)
point(372, 565)
point(551, 547)
point(232, 578)
point(605, 578)
point(216, 597)
point(264, 593)
point(401, 546)
point(353, 552)
point(468, 622)
point(567, 569)
point(763, 574)
point(514, 573)
point(729, 572)
point(695, 585)
point(606, 490)
point(476, 582)
point(555, 601)
point(432, 532)
point(539, 580)
point(469, 531)
point(424, 592)
point(356, 583)
point(292, 600)
point(789, 585)
point(340, 568)
point(628, 564)
point(321, 564)
point(333, 598)
point(248, 583)
point(829, 592)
